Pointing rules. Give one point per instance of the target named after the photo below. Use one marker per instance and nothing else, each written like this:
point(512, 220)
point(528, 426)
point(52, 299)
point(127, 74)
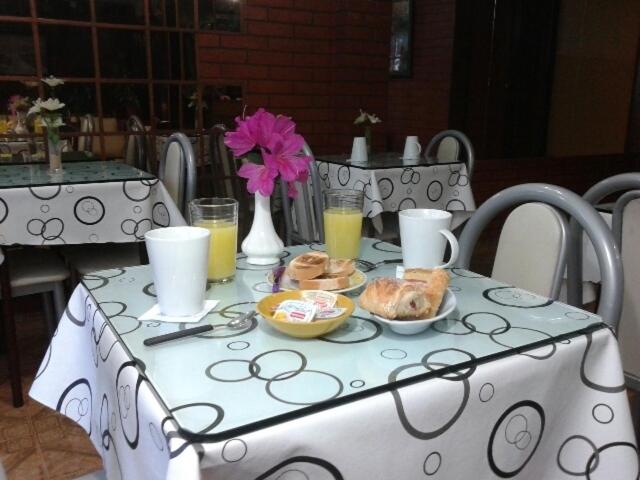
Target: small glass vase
point(21, 122)
point(55, 156)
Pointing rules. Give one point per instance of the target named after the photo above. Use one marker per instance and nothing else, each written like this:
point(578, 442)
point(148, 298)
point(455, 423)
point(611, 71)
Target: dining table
point(511, 384)
point(86, 202)
point(391, 183)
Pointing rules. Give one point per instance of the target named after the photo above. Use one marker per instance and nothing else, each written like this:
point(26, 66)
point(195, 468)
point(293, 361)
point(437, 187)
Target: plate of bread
point(316, 271)
point(412, 303)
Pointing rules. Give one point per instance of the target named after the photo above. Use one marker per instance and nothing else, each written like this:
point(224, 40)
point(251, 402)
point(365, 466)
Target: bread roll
point(325, 282)
point(395, 299)
point(308, 265)
point(435, 283)
point(340, 267)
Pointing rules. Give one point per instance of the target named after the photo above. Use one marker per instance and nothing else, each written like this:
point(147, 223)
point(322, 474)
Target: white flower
point(361, 118)
point(52, 105)
point(374, 118)
point(36, 107)
point(53, 81)
point(367, 118)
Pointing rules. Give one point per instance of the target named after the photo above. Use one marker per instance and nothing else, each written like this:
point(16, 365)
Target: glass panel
point(18, 8)
point(166, 107)
point(163, 12)
point(222, 103)
point(120, 11)
point(80, 98)
point(58, 58)
point(16, 55)
point(123, 100)
point(185, 13)
point(220, 15)
point(189, 56)
point(189, 106)
point(122, 54)
point(161, 55)
point(174, 49)
point(64, 9)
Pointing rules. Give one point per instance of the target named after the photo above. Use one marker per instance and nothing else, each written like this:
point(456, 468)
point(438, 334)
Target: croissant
point(395, 299)
point(435, 281)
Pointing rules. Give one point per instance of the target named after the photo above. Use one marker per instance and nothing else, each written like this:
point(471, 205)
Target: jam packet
point(329, 313)
point(323, 300)
point(296, 311)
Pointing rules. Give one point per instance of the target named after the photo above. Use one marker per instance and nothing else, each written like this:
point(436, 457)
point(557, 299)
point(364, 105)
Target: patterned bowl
point(267, 306)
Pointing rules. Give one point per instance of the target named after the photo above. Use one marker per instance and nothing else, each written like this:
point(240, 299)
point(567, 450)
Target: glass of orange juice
point(343, 222)
point(220, 217)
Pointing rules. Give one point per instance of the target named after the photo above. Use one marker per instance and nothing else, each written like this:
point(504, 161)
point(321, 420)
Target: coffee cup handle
point(455, 250)
point(419, 147)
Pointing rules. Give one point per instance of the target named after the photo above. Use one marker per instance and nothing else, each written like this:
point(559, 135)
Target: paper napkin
point(154, 314)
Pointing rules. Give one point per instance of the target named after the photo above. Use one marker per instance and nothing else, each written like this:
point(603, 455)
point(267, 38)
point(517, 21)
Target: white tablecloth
point(445, 187)
point(556, 412)
point(120, 212)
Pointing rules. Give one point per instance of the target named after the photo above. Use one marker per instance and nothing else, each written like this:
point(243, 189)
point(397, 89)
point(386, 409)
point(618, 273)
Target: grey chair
point(584, 214)
point(303, 215)
point(431, 153)
point(87, 125)
point(177, 171)
point(28, 272)
point(602, 189)
point(136, 151)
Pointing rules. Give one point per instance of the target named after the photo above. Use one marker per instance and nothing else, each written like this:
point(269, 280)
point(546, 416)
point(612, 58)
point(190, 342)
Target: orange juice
point(342, 232)
point(222, 249)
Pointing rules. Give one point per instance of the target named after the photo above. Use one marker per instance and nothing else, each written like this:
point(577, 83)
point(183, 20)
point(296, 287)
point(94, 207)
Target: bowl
point(268, 304)
point(411, 327)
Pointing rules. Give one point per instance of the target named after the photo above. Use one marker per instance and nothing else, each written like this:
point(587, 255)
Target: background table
point(510, 384)
point(391, 184)
point(89, 202)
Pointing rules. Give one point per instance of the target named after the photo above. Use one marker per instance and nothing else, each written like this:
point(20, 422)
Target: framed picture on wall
point(401, 30)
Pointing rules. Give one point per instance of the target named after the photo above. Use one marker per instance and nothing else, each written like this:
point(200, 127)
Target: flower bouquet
point(367, 120)
point(270, 149)
point(18, 106)
point(50, 112)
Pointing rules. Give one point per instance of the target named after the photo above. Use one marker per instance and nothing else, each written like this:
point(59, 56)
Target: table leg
point(142, 251)
point(11, 344)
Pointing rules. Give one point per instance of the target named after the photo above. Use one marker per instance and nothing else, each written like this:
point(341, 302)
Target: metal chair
point(87, 125)
point(177, 170)
point(602, 189)
point(303, 216)
point(28, 272)
point(136, 146)
point(447, 149)
point(584, 214)
point(539, 228)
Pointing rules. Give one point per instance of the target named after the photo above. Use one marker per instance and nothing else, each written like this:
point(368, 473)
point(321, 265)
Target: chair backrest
point(303, 214)
point(602, 189)
point(532, 227)
point(584, 214)
point(87, 124)
point(448, 150)
point(136, 145)
point(626, 231)
point(460, 138)
point(224, 171)
point(177, 170)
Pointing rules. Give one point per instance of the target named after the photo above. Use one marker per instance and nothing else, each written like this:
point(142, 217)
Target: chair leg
point(8, 320)
point(59, 301)
point(49, 316)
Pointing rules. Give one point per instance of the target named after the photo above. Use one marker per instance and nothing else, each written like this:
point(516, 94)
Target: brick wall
point(317, 61)
point(420, 105)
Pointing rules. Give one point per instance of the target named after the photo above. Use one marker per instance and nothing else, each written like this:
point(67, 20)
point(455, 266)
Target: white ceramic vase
point(263, 245)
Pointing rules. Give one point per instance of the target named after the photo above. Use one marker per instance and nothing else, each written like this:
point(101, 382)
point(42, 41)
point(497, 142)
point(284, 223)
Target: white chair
point(87, 125)
point(177, 171)
point(448, 150)
point(532, 248)
point(136, 144)
point(582, 213)
point(30, 271)
point(303, 215)
point(448, 144)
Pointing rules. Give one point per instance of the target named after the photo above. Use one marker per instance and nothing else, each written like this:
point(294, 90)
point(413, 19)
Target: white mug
point(359, 150)
point(424, 234)
point(412, 148)
point(179, 261)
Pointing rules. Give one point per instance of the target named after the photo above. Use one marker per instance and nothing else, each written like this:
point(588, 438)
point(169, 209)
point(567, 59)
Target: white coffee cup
point(179, 260)
point(412, 148)
point(424, 234)
point(359, 150)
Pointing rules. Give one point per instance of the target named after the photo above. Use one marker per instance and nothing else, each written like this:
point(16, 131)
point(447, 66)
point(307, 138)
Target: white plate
point(411, 327)
point(356, 280)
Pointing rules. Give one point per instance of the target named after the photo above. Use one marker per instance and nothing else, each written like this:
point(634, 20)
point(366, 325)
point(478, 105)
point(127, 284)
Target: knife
point(175, 335)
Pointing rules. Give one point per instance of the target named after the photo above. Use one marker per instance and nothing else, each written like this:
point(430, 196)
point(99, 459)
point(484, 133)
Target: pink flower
point(282, 154)
point(260, 178)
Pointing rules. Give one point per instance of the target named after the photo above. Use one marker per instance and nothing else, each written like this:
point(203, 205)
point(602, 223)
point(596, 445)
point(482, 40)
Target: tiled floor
point(36, 443)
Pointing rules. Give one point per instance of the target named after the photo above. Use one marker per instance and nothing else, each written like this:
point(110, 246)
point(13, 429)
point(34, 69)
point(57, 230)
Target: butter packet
point(329, 313)
point(296, 311)
point(323, 300)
